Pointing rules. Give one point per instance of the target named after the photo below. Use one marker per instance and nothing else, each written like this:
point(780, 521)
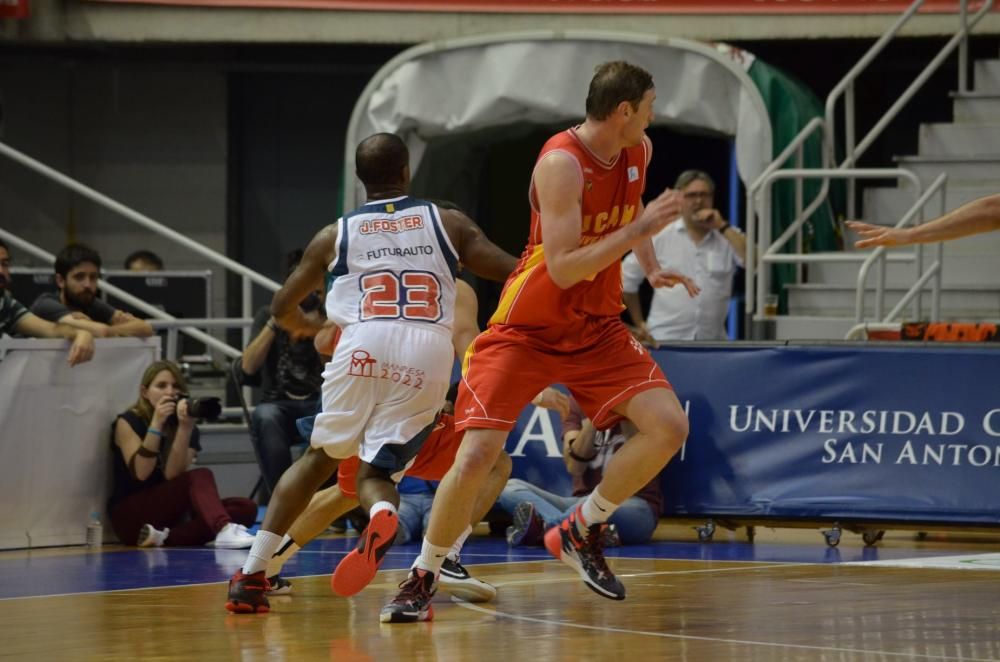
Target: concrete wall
point(151, 136)
point(55, 20)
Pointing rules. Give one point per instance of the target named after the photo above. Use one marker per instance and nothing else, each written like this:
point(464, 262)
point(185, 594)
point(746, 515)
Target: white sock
point(596, 509)
point(380, 506)
point(265, 544)
point(285, 551)
point(456, 549)
point(431, 557)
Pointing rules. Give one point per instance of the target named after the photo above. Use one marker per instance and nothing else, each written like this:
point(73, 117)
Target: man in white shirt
point(702, 245)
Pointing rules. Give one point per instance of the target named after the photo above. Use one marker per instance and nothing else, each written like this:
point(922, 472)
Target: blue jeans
point(634, 519)
point(275, 433)
point(414, 515)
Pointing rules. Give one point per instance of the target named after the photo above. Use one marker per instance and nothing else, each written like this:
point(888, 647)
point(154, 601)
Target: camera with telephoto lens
point(208, 409)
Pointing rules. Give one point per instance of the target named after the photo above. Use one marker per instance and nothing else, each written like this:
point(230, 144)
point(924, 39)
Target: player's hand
point(552, 398)
point(82, 349)
point(669, 278)
point(660, 212)
point(878, 235)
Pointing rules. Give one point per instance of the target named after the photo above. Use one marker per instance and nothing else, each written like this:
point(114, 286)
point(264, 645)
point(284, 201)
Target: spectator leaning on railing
point(15, 318)
point(76, 304)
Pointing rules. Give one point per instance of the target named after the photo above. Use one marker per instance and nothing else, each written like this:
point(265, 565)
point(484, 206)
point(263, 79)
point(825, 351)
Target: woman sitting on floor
point(158, 498)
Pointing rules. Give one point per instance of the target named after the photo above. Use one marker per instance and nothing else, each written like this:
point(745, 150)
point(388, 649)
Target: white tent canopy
point(462, 85)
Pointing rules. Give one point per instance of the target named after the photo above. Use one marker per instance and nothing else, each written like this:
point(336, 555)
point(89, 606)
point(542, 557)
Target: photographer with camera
point(158, 498)
point(290, 373)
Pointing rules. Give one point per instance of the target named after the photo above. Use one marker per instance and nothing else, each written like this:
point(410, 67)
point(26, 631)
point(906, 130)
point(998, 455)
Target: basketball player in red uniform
point(558, 322)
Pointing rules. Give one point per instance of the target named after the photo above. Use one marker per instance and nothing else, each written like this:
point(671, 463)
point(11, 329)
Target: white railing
point(248, 276)
point(759, 194)
point(154, 312)
point(845, 87)
point(915, 291)
point(771, 255)
point(175, 326)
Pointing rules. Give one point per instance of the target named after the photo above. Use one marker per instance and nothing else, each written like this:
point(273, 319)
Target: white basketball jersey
point(394, 262)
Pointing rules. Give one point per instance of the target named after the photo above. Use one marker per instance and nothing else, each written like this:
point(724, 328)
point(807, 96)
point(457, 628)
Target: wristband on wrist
point(581, 459)
point(154, 431)
point(578, 458)
point(271, 324)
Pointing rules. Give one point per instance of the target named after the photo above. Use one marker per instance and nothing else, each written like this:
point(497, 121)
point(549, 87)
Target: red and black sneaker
point(246, 593)
point(585, 554)
point(356, 570)
point(528, 528)
point(413, 602)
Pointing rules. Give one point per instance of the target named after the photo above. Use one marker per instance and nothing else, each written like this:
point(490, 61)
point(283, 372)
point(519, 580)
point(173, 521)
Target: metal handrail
point(173, 326)
point(846, 85)
point(203, 322)
point(756, 277)
point(933, 270)
point(793, 147)
point(130, 299)
point(855, 71)
point(829, 173)
point(248, 275)
point(879, 253)
point(918, 82)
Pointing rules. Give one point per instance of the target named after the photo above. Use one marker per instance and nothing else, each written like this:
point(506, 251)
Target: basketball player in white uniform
point(390, 265)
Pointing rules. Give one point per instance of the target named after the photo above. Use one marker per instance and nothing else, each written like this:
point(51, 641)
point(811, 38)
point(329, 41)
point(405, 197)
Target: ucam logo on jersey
point(392, 225)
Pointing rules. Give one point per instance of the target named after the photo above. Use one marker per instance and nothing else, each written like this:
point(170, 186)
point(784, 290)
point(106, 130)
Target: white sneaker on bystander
point(232, 536)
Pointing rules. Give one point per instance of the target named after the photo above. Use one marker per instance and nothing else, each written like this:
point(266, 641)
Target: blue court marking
point(25, 574)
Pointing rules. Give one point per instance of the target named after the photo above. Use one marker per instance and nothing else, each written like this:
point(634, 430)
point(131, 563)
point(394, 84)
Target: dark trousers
point(189, 505)
point(274, 434)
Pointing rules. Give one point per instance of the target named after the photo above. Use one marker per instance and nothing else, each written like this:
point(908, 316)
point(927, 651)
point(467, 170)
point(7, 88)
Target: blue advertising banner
point(851, 433)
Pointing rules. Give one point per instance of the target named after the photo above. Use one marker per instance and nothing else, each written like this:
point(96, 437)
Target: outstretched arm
point(307, 277)
point(982, 215)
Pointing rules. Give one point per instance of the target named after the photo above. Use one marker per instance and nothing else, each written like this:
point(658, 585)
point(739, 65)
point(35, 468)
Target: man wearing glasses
point(705, 247)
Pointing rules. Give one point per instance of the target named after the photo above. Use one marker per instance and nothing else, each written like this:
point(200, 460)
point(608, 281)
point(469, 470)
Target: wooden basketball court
point(786, 597)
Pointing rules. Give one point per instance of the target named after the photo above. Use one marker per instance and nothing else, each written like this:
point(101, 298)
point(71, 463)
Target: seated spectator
point(15, 318)
point(143, 260)
point(158, 498)
point(586, 452)
point(290, 373)
point(76, 304)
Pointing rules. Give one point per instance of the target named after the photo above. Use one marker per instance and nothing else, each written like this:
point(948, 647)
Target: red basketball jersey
point(611, 198)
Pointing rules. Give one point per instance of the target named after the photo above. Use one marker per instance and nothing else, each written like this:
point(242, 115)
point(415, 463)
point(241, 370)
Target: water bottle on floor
point(95, 531)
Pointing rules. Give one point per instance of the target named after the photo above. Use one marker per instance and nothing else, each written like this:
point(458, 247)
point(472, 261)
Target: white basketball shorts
point(384, 384)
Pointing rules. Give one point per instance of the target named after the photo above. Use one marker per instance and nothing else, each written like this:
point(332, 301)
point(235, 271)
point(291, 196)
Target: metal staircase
point(957, 162)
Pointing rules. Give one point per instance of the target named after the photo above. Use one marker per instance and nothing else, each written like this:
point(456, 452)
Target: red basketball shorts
point(506, 368)
point(432, 462)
